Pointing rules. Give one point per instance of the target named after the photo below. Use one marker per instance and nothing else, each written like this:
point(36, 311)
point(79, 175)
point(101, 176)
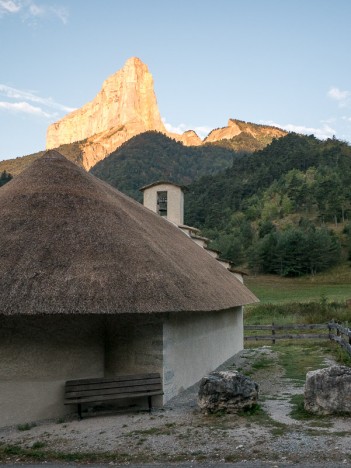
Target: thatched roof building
point(71, 244)
point(93, 284)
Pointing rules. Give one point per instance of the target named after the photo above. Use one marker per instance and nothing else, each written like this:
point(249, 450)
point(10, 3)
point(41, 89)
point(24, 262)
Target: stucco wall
point(175, 201)
point(197, 343)
point(37, 355)
point(133, 344)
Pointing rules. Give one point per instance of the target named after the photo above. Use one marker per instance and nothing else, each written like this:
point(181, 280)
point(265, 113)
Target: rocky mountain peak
point(125, 106)
point(236, 127)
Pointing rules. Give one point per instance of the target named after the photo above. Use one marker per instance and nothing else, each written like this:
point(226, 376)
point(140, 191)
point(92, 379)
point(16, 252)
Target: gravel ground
point(181, 433)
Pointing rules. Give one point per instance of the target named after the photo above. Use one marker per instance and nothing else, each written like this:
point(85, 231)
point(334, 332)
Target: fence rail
point(341, 332)
point(287, 327)
point(342, 335)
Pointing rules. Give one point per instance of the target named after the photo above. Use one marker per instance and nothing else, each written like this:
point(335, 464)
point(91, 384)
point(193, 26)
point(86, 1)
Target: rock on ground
point(227, 391)
point(328, 391)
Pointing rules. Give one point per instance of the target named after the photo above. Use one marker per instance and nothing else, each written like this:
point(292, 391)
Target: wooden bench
point(114, 388)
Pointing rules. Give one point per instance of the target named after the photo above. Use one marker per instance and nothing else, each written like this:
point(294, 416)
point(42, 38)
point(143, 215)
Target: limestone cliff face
point(264, 133)
point(125, 106)
point(188, 138)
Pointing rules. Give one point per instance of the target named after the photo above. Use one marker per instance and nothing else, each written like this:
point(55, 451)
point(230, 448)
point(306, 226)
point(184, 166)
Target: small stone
point(227, 391)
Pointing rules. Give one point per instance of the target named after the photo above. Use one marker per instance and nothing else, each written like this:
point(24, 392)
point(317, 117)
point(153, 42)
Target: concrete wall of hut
point(197, 343)
point(37, 355)
point(133, 344)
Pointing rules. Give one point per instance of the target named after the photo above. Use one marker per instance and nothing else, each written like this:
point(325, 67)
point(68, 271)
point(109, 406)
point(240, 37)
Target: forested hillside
point(152, 156)
point(285, 209)
point(274, 208)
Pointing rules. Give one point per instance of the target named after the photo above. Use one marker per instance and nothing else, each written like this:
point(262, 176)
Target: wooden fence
point(342, 337)
point(333, 331)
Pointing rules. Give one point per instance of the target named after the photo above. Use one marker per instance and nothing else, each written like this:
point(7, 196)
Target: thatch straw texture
point(71, 244)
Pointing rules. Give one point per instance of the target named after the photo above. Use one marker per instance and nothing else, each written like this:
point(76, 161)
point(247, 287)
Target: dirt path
point(180, 433)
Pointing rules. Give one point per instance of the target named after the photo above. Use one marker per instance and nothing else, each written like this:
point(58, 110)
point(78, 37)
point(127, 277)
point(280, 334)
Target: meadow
point(335, 285)
point(306, 300)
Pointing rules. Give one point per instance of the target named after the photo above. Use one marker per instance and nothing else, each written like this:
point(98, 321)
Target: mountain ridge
point(153, 156)
point(126, 106)
point(263, 133)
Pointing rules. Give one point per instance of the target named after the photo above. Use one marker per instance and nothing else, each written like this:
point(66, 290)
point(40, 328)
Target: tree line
point(280, 210)
point(152, 156)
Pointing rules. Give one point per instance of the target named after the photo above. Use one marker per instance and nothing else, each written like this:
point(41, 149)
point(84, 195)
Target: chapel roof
point(162, 182)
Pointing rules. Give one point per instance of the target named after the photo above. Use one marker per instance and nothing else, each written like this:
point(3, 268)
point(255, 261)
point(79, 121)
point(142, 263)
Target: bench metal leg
point(80, 410)
point(149, 399)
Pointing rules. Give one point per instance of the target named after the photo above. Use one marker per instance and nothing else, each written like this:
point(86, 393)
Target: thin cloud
point(8, 6)
point(36, 10)
point(202, 131)
point(343, 98)
point(325, 131)
point(24, 107)
point(30, 11)
point(172, 128)
point(61, 13)
point(14, 93)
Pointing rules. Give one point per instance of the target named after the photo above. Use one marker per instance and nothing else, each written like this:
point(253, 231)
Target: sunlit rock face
point(235, 127)
point(125, 106)
point(188, 138)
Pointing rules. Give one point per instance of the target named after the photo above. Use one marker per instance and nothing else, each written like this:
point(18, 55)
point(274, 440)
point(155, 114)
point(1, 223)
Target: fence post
point(273, 333)
point(330, 330)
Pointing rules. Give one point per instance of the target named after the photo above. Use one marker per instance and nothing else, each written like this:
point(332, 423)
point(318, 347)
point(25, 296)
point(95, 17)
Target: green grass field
point(332, 286)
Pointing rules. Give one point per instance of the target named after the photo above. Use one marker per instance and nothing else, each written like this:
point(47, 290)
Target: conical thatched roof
point(70, 243)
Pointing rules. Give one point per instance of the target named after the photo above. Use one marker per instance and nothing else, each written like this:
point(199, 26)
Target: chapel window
point(162, 203)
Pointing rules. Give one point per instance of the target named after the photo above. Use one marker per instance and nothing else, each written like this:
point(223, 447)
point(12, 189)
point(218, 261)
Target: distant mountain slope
point(251, 138)
point(17, 165)
point(125, 107)
point(242, 143)
point(152, 156)
point(238, 131)
point(255, 174)
point(297, 182)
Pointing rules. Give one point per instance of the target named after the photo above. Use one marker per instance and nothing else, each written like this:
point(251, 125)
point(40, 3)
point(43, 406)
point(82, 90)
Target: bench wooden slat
point(117, 378)
point(116, 391)
point(108, 384)
point(93, 399)
point(108, 389)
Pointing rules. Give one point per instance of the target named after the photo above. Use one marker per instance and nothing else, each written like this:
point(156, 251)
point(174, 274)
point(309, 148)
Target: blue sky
point(281, 62)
